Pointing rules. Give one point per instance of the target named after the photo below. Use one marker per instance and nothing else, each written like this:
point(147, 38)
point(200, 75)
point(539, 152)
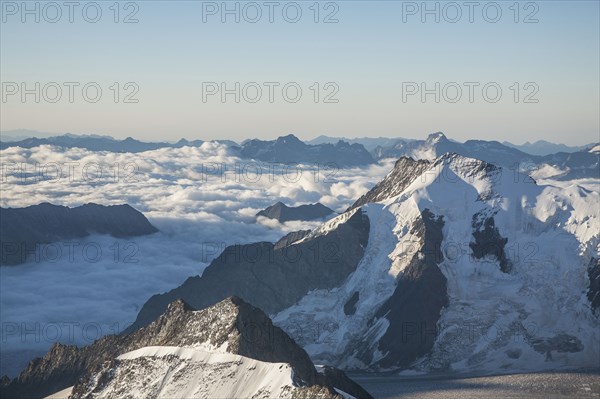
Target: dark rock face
point(405, 171)
point(489, 242)
point(559, 343)
point(289, 149)
point(291, 238)
point(594, 290)
point(350, 305)
point(284, 213)
point(4, 380)
point(273, 277)
point(246, 330)
point(22, 229)
point(414, 308)
point(344, 383)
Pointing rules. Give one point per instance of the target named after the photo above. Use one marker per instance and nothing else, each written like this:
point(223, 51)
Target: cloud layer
point(200, 198)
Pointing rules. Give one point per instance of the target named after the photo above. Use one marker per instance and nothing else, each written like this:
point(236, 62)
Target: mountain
point(370, 143)
point(404, 172)
point(540, 147)
point(97, 143)
point(437, 144)
point(290, 149)
point(560, 166)
point(24, 229)
point(284, 213)
point(20, 134)
point(543, 147)
point(461, 265)
point(568, 166)
point(475, 269)
point(273, 276)
point(231, 349)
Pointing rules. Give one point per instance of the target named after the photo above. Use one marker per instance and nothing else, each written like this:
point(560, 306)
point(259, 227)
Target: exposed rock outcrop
point(24, 230)
point(273, 276)
point(405, 171)
point(284, 213)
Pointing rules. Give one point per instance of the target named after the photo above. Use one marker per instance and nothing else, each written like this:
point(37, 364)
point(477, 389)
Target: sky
point(349, 68)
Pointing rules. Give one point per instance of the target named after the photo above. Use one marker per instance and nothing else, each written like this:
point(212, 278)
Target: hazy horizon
point(304, 137)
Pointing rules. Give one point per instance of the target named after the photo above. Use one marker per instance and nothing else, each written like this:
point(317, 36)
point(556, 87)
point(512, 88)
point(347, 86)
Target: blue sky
point(370, 55)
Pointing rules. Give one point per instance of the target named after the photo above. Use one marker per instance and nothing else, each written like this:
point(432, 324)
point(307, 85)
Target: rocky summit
point(283, 213)
point(190, 353)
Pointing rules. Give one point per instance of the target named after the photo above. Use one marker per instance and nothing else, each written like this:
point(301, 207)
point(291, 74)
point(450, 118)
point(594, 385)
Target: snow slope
point(168, 372)
point(229, 350)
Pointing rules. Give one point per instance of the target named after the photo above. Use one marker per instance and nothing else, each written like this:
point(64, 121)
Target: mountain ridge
point(23, 230)
point(283, 213)
point(231, 326)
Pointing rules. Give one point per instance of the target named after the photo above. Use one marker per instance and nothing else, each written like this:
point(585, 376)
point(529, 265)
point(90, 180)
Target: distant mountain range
point(563, 165)
point(290, 149)
point(284, 213)
point(370, 143)
point(23, 230)
point(287, 149)
point(540, 147)
point(543, 147)
point(97, 143)
point(573, 163)
point(22, 134)
point(227, 350)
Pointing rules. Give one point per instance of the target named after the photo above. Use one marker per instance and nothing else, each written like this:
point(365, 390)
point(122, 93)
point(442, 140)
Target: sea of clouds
point(200, 198)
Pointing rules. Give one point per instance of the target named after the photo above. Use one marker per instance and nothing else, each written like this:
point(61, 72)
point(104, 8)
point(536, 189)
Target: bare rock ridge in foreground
point(22, 229)
point(110, 367)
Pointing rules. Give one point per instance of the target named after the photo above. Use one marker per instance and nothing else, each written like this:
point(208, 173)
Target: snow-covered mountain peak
point(405, 171)
point(445, 173)
point(230, 349)
point(459, 242)
point(437, 137)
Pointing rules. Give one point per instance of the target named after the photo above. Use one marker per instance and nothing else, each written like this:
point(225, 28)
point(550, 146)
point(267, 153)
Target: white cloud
point(198, 197)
